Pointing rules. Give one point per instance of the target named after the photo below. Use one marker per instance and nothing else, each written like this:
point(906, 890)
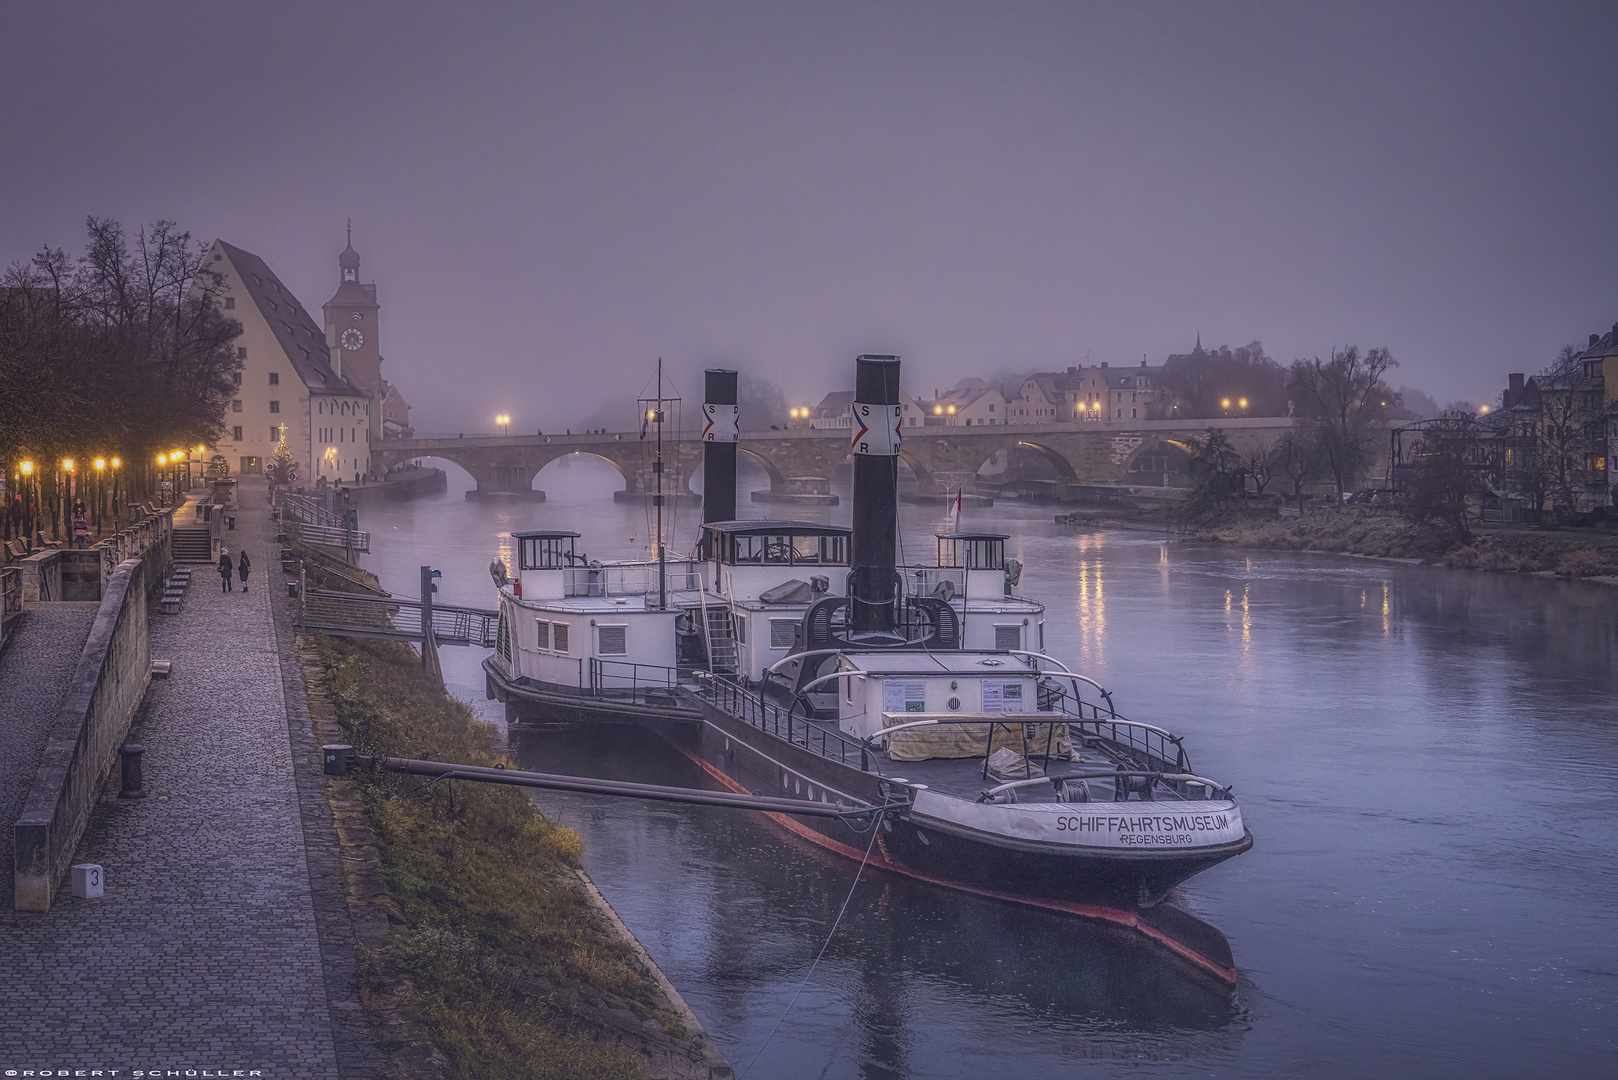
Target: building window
point(236, 406)
point(241, 352)
point(236, 434)
point(614, 640)
point(275, 406)
point(236, 378)
point(275, 434)
point(559, 636)
point(230, 303)
point(275, 378)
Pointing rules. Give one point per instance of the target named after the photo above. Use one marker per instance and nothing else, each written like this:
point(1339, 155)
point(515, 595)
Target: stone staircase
point(174, 592)
point(192, 546)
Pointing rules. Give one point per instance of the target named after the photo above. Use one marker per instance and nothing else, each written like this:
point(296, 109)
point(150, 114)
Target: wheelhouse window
point(983, 551)
point(545, 551)
point(784, 548)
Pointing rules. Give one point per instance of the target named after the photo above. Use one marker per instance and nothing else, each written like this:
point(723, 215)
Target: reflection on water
point(1427, 758)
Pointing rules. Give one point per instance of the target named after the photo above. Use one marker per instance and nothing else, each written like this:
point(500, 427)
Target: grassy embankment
point(501, 959)
point(1574, 553)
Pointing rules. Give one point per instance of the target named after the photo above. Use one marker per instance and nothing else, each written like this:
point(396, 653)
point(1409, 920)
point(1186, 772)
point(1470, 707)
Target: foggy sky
point(551, 196)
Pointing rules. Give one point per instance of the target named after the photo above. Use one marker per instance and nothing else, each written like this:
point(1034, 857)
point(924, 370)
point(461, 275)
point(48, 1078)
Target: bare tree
point(1215, 468)
point(1299, 458)
point(1342, 398)
point(1445, 475)
point(1260, 463)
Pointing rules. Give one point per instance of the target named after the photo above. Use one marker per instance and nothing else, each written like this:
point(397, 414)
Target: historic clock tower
point(351, 329)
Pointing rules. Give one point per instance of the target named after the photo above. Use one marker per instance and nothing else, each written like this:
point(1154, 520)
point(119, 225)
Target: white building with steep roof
point(319, 386)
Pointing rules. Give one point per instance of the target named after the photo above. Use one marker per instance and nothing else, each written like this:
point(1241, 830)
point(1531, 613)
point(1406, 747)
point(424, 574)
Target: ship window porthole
point(783, 781)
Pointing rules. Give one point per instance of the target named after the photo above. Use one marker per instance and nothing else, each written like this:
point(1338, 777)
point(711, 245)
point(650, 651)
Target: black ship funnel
point(873, 580)
point(720, 430)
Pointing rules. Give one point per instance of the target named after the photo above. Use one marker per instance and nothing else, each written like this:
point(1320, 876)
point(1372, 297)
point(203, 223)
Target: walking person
point(225, 568)
point(242, 567)
point(81, 531)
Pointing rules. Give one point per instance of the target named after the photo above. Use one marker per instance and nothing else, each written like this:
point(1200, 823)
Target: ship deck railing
point(635, 579)
point(784, 723)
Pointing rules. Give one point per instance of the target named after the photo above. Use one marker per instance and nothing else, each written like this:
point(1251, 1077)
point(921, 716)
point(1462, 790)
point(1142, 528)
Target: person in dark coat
point(225, 568)
point(243, 565)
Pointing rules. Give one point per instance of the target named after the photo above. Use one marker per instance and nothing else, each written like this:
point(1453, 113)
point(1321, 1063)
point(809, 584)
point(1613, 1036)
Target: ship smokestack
point(873, 580)
point(721, 428)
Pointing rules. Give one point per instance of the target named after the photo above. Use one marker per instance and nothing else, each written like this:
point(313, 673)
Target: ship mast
point(657, 500)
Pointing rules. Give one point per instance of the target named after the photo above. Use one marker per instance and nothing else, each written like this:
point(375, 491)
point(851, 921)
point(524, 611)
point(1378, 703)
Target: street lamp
point(30, 501)
point(1242, 403)
point(502, 424)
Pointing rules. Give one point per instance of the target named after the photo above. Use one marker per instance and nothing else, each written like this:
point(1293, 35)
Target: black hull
point(1121, 888)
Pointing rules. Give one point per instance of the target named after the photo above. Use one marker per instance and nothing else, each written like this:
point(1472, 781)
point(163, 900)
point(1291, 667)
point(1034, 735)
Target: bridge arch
point(778, 480)
point(1159, 461)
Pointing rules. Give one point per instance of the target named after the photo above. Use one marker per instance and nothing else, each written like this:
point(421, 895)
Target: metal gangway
point(317, 525)
point(344, 614)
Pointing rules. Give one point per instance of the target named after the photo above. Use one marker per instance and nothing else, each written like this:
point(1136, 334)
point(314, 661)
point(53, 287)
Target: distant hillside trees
point(121, 352)
point(1199, 383)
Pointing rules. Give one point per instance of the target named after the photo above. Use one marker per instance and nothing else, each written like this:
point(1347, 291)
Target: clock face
point(352, 339)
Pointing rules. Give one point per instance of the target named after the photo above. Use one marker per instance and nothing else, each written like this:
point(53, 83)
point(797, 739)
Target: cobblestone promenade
point(206, 952)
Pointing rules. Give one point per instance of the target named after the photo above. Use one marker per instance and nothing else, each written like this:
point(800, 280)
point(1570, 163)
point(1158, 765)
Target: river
point(1427, 759)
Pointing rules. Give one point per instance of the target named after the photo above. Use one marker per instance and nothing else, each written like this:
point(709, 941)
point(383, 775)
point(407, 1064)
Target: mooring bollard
point(337, 758)
point(131, 752)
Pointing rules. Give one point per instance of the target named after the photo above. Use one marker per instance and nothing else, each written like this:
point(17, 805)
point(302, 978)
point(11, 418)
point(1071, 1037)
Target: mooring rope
point(876, 830)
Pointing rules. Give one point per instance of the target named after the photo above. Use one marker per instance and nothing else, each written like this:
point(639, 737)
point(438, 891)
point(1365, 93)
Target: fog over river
point(1427, 759)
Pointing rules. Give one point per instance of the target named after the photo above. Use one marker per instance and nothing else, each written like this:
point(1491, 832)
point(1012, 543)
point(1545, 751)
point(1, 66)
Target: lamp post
point(70, 503)
point(502, 424)
point(117, 463)
point(101, 468)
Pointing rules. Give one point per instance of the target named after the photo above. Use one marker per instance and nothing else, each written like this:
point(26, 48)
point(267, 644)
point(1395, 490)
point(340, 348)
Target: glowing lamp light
point(117, 463)
point(27, 468)
point(67, 464)
point(1484, 409)
point(651, 414)
point(161, 458)
point(101, 463)
point(1242, 403)
point(952, 410)
point(1225, 404)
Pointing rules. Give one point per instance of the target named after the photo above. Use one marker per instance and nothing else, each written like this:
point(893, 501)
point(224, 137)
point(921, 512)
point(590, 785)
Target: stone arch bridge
point(1082, 454)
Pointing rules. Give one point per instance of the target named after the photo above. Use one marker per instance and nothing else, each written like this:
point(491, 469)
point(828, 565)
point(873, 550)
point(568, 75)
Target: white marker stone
point(87, 881)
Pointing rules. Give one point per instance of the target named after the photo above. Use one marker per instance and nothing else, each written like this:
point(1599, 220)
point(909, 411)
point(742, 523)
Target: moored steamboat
point(801, 661)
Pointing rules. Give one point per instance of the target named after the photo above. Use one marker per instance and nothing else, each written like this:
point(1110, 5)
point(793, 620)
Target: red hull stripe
point(1115, 916)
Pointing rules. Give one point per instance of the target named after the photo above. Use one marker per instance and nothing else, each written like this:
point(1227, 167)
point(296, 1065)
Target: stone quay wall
point(107, 688)
point(71, 574)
